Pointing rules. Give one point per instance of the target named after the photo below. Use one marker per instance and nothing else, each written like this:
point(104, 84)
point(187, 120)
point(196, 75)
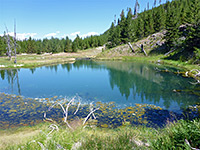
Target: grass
point(125, 137)
point(153, 59)
point(33, 60)
point(18, 135)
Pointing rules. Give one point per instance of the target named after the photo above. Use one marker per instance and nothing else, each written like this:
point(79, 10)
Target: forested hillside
point(180, 19)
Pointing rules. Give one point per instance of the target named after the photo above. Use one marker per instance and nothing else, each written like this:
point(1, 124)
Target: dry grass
point(33, 60)
point(8, 139)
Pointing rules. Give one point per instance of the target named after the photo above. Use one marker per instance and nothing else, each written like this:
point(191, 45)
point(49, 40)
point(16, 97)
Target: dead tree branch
point(89, 115)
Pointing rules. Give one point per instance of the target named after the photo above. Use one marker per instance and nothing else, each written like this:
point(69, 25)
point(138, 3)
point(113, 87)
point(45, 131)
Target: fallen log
point(142, 48)
point(131, 47)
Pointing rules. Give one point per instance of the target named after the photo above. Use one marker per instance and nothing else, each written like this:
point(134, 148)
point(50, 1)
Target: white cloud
point(22, 36)
point(51, 34)
point(89, 34)
point(75, 33)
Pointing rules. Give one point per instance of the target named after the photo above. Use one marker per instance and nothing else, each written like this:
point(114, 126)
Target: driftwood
point(131, 47)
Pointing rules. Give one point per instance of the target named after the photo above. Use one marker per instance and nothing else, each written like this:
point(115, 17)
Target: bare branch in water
point(48, 119)
point(89, 115)
point(195, 82)
point(91, 109)
point(190, 145)
point(66, 111)
point(79, 103)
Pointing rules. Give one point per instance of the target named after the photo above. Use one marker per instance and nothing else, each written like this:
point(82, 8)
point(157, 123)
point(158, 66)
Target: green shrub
point(173, 136)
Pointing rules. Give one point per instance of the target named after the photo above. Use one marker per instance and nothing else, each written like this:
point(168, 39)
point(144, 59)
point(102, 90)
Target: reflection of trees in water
point(131, 78)
point(12, 76)
point(145, 82)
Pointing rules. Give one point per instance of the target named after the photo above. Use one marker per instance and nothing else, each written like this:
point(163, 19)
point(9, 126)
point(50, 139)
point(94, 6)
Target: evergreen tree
point(67, 45)
point(122, 26)
point(74, 46)
point(128, 27)
point(159, 19)
point(193, 37)
point(140, 27)
point(2, 46)
point(172, 26)
point(30, 45)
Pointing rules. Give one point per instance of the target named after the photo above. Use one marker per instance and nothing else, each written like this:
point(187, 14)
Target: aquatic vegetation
point(66, 114)
point(19, 111)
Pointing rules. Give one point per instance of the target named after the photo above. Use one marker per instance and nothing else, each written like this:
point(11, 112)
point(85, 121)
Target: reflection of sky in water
point(123, 83)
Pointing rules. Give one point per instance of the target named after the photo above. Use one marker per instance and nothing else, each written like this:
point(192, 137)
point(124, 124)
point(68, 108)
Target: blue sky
point(60, 18)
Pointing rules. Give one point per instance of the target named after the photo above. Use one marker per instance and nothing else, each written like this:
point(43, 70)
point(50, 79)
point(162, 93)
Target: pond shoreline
point(149, 135)
point(47, 59)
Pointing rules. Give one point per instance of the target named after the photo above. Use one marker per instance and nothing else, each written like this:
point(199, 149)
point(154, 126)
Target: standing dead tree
point(10, 44)
point(15, 42)
point(136, 9)
point(9, 50)
point(155, 3)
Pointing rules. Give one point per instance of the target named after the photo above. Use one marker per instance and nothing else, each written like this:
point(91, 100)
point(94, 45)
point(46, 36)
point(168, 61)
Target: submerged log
point(131, 47)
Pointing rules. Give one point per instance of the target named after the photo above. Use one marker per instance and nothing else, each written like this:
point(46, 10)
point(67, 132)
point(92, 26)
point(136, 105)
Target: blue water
point(124, 83)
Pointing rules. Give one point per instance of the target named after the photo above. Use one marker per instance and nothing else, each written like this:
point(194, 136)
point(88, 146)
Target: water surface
point(125, 83)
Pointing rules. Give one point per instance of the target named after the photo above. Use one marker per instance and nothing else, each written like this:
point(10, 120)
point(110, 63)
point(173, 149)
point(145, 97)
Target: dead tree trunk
point(15, 44)
point(142, 48)
point(9, 47)
point(131, 47)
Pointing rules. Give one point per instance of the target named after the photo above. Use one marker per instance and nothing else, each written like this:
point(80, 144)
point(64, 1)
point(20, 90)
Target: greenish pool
point(125, 83)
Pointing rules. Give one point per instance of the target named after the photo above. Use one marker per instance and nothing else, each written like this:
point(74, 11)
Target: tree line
point(53, 45)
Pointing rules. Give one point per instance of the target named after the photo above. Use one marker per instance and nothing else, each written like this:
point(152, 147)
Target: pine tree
point(122, 25)
point(172, 26)
point(128, 27)
point(159, 19)
point(112, 36)
point(140, 26)
point(2, 46)
point(30, 45)
point(193, 37)
point(146, 24)
point(74, 46)
point(67, 44)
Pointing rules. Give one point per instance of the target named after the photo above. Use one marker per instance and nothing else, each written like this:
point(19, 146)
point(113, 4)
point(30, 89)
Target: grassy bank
point(173, 136)
point(34, 60)
point(125, 54)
